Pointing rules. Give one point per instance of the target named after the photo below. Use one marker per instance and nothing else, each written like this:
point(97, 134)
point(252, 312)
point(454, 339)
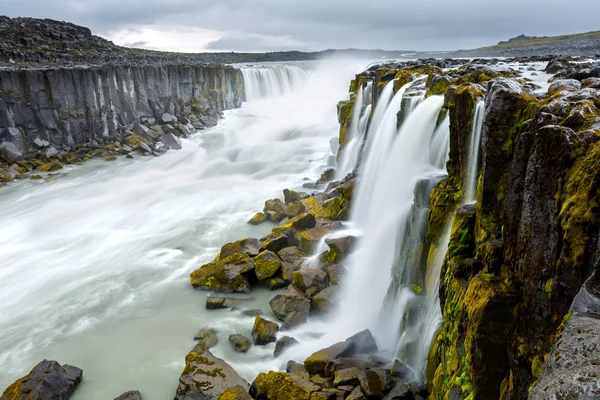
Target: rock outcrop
point(47, 381)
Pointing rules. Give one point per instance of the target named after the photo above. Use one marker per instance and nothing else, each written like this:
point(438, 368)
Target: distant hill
point(582, 44)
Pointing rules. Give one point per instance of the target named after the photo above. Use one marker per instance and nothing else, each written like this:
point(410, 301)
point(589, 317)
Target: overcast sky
point(271, 25)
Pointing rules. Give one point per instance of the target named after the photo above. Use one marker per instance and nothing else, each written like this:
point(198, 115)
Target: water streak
point(470, 191)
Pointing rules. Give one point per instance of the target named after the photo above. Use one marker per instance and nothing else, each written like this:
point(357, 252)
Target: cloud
point(261, 25)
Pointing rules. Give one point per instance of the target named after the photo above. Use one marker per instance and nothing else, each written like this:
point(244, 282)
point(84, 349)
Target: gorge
point(437, 236)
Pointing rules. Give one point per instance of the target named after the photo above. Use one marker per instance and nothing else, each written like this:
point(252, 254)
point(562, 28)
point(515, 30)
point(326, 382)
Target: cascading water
point(470, 191)
point(356, 131)
point(272, 80)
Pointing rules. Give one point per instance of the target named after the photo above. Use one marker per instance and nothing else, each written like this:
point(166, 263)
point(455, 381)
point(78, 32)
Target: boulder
point(371, 384)
point(276, 283)
point(335, 273)
point(266, 264)
point(310, 278)
point(398, 392)
point(339, 247)
point(206, 377)
point(225, 275)
point(249, 246)
point(322, 301)
point(291, 259)
point(208, 337)
point(167, 118)
point(290, 196)
point(235, 393)
point(10, 153)
point(51, 166)
point(346, 376)
point(275, 243)
point(556, 65)
point(275, 210)
point(293, 367)
point(131, 395)
point(356, 394)
point(47, 381)
point(264, 332)
point(40, 143)
point(171, 141)
point(293, 319)
point(289, 301)
point(566, 85)
point(283, 344)
point(258, 219)
point(281, 386)
point(239, 343)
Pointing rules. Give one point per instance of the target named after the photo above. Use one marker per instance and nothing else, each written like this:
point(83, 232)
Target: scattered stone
point(206, 376)
point(208, 337)
point(264, 331)
point(171, 141)
point(239, 343)
point(290, 196)
point(321, 302)
point(216, 303)
point(293, 320)
point(274, 244)
point(283, 344)
point(167, 118)
point(252, 313)
point(51, 166)
point(131, 395)
point(47, 381)
point(225, 275)
point(10, 153)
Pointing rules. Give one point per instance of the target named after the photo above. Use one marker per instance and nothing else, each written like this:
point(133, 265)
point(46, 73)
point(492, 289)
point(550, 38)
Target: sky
point(313, 25)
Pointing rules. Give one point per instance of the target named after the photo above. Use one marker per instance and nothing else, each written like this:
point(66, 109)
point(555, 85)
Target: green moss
point(280, 386)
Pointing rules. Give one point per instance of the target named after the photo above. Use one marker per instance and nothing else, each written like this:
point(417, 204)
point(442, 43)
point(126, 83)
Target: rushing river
point(95, 263)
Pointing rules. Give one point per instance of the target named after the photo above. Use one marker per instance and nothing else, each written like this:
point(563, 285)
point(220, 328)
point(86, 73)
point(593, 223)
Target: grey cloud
point(321, 24)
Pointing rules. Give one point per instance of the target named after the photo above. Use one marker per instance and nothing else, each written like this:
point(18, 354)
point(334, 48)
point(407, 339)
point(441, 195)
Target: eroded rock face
point(47, 381)
point(206, 377)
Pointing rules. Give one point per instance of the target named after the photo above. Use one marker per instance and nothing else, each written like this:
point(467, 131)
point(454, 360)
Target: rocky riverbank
point(519, 281)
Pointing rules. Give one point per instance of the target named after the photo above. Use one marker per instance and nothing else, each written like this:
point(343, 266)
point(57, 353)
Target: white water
point(393, 163)
point(356, 132)
point(94, 265)
point(470, 191)
point(273, 80)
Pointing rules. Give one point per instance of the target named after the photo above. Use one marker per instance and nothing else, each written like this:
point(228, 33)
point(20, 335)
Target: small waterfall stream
point(470, 191)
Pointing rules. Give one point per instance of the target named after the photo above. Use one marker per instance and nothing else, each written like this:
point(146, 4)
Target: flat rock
point(216, 303)
point(47, 381)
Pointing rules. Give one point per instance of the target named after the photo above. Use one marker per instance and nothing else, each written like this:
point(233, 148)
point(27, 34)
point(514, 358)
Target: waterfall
point(356, 131)
point(470, 190)
point(272, 80)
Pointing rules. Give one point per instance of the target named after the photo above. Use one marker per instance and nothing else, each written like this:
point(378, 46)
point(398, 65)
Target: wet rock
point(400, 391)
point(334, 273)
point(347, 376)
point(264, 332)
point(275, 210)
point(171, 141)
point(310, 278)
point(283, 344)
point(320, 360)
point(239, 343)
point(225, 275)
point(293, 320)
point(293, 367)
point(371, 384)
point(294, 209)
point(339, 248)
point(206, 376)
point(51, 166)
point(236, 393)
point(363, 342)
point(289, 301)
point(47, 381)
point(266, 264)
point(591, 83)
point(310, 238)
point(10, 153)
point(258, 219)
point(274, 244)
point(322, 302)
point(279, 385)
point(249, 246)
point(216, 303)
point(290, 196)
point(208, 337)
point(291, 259)
point(131, 395)
point(276, 283)
point(252, 313)
point(556, 65)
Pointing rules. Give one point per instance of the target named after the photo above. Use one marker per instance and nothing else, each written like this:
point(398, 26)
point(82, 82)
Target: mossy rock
point(235, 393)
point(264, 331)
point(289, 301)
point(258, 219)
point(249, 246)
point(52, 166)
point(225, 275)
point(282, 386)
point(266, 264)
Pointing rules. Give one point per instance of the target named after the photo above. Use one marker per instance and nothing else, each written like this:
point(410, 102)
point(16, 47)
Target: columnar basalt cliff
point(64, 114)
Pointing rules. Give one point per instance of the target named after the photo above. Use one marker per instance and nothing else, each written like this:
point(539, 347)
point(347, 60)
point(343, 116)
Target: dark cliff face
point(78, 106)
